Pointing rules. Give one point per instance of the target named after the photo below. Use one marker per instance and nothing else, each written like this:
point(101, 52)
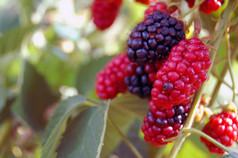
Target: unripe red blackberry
point(224, 128)
point(152, 39)
point(161, 124)
point(110, 80)
point(159, 6)
point(140, 78)
point(208, 6)
point(104, 12)
point(182, 74)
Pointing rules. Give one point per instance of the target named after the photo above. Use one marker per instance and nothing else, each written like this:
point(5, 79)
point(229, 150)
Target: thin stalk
point(215, 93)
point(204, 135)
point(160, 152)
point(128, 143)
point(221, 79)
point(223, 24)
point(228, 55)
point(192, 9)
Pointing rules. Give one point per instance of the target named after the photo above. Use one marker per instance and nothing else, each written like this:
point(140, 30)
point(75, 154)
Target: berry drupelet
point(152, 39)
point(224, 128)
point(140, 78)
point(104, 12)
point(110, 80)
point(161, 124)
point(182, 74)
point(159, 6)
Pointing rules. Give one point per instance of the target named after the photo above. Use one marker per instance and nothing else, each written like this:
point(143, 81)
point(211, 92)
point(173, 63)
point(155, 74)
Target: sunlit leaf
point(12, 39)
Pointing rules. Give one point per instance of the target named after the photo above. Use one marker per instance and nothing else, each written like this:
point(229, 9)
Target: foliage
point(50, 53)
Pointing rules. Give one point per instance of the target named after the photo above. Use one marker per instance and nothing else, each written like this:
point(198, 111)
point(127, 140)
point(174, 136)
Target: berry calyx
point(152, 39)
point(182, 74)
point(105, 12)
point(161, 124)
point(110, 80)
point(223, 127)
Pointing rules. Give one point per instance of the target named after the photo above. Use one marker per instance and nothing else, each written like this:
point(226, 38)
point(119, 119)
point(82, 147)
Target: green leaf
point(3, 97)
point(12, 39)
point(85, 134)
point(35, 97)
point(122, 111)
point(57, 124)
point(133, 104)
point(87, 73)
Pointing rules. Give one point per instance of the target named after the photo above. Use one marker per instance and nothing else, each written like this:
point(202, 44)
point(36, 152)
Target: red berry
point(208, 6)
point(161, 124)
point(223, 128)
point(110, 80)
point(152, 39)
point(182, 74)
point(190, 3)
point(160, 6)
point(104, 12)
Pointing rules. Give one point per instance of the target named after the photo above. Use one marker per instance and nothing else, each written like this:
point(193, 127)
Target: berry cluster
point(159, 65)
point(208, 6)
point(110, 80)
point(161, 124)
point(182, 74)
point(105, 12)
point(153, 38)
point(224, 128)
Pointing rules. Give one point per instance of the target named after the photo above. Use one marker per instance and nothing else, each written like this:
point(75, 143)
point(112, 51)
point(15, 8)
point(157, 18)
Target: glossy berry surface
point(208, 6)
point(140, 78)
point(104, 12)
point(224, 128)
point(182, 74)
point(161, 124)
point(110, 80)
point(152, 39)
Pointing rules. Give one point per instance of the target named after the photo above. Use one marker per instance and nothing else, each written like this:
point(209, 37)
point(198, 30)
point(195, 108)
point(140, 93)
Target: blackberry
point(182, 74)
point(152, 39)
point(104, 12)
point(224, 128)
point(140, 78)
point(110, 80)
point(161, 124)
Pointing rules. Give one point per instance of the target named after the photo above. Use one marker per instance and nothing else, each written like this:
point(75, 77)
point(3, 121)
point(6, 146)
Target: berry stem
point(221, 79)
point(160, 152)
point(234, 52)
point(223, 24)
point(128, 143)
point(192, 9)
point(204, 135)
point(228, 55)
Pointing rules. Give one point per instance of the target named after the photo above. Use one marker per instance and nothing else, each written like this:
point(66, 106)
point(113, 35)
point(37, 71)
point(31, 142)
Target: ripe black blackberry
point(153, 38)
point(140, 78)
